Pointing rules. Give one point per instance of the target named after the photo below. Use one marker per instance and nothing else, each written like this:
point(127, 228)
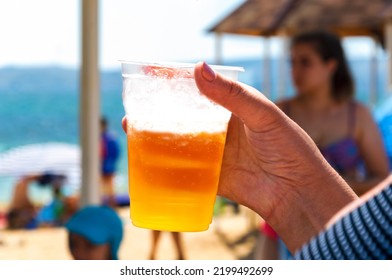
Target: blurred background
point(40, 63)
point(40, 60)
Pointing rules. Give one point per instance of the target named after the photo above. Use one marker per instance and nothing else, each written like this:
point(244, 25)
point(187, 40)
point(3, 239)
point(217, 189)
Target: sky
point(47, 32)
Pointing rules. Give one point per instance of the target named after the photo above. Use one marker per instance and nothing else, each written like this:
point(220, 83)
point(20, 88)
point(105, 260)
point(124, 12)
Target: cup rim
point(171, 64)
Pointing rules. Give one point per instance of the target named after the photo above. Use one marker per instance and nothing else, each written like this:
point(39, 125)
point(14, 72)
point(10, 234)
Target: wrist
point(303, 213)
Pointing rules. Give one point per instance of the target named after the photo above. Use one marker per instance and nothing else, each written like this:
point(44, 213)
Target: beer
point(176, 174)
point(176, 137)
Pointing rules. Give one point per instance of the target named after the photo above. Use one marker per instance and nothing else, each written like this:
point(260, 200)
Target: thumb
point(252, 107)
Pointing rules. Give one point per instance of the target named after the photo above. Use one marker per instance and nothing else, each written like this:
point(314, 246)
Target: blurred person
point(324, 106)
point(177, 242)
point(110, 152)
point(273, 167)
point(94, 233)
point(22, 212)
point(53, 214)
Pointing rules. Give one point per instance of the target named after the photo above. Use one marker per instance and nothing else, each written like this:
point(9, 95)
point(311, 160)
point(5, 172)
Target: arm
point(20, 199)
point(362, 230)
point(372, 151)
point(271, 165)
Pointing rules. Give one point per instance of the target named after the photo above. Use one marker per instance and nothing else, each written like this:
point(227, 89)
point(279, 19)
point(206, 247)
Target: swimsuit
point(109, 153)
point(344, 155)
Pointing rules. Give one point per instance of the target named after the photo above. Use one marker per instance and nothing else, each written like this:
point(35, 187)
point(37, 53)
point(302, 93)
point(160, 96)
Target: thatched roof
point(251, 18)
point(345, 17)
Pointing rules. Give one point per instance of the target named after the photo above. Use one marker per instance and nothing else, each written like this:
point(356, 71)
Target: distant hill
point(51, 79)
point(66, 80)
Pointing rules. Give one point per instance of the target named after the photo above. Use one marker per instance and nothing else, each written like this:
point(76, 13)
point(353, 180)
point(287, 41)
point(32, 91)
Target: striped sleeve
point(364, 233)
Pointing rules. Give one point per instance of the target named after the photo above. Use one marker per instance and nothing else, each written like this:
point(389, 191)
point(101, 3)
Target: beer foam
point(170, 105)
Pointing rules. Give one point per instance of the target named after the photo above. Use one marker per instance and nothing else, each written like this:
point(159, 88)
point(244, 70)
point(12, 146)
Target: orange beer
point(173, 178)
point(176, 138)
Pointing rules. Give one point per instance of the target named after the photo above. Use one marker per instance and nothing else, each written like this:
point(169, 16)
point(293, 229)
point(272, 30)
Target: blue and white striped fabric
point(365, 233)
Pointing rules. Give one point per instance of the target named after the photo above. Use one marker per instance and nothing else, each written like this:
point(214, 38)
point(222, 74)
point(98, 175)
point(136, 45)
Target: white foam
point(174, 105)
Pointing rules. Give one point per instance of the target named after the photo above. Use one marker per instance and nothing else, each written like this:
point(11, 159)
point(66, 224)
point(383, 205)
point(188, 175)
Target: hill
point(66, 80)
point(51, 79)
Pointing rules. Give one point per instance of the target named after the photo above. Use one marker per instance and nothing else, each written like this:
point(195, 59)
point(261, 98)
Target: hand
point(270, 164)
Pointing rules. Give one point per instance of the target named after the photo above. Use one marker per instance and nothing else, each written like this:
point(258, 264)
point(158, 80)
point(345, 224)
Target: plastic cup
point(176, 138)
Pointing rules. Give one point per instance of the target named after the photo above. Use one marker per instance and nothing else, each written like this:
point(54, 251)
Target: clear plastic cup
point(176, 138)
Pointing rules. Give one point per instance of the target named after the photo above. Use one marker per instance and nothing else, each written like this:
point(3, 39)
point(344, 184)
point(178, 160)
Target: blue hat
point(99, 225)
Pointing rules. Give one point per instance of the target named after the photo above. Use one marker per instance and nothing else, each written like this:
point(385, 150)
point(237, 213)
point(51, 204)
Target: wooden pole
point(388, 44)
point(282, 78)
point(373, 75)
point(218, 49)
point(90, 105)
point(266, 73)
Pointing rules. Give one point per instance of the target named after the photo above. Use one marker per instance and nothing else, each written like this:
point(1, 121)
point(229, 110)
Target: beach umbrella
point(52, 157)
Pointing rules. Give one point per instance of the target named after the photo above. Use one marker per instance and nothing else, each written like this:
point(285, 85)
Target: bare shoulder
point(363, 114)
point(364, 120)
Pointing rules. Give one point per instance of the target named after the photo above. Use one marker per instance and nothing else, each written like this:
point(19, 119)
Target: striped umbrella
point(57, 158)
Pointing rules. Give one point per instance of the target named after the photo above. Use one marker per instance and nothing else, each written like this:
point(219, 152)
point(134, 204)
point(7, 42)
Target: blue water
point(42, 105)
point(53, 116)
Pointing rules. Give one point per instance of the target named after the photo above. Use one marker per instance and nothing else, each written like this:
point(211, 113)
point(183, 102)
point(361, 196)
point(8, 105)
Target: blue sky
point(43, 32)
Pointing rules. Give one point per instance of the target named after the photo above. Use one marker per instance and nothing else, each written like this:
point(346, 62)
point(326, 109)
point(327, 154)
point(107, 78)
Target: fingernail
point(208, 73)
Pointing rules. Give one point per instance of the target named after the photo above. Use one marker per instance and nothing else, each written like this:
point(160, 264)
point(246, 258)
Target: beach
point(231, 236)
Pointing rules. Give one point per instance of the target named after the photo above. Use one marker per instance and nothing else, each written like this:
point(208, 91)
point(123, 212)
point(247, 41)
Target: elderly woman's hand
point(270, 164)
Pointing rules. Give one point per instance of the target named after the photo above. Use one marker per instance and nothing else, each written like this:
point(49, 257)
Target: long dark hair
point(328, 46)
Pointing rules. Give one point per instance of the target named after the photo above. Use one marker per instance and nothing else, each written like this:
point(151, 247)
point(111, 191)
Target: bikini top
point(343, 155)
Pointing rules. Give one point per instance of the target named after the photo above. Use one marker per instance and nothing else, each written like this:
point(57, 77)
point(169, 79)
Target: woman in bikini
point(324, 107)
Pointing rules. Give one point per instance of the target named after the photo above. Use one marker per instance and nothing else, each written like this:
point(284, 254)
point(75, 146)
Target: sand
point(231, 236)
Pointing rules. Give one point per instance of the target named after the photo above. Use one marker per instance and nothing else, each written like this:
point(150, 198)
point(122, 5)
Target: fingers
point(245, 102)
point(124, 124)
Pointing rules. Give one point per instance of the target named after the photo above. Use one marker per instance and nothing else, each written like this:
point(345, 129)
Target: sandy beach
point(230, 237)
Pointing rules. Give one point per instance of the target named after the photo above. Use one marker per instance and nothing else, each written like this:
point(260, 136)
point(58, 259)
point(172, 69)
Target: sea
point(41, 105)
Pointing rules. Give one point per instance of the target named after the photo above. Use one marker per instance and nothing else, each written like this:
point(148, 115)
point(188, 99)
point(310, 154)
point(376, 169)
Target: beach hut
point(287, 17)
